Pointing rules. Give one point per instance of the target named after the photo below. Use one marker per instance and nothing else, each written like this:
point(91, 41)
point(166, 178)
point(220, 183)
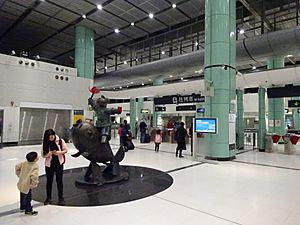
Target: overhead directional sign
point(294, 103)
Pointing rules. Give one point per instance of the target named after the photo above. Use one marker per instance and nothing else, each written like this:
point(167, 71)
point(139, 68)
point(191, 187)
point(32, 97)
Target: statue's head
point(102, 102)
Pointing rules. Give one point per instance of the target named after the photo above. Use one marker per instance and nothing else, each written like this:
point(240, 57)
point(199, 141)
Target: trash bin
point(289, 148)
point(269, 143)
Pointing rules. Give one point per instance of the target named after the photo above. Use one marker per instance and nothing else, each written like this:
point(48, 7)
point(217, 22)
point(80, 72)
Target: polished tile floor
point(255, 189)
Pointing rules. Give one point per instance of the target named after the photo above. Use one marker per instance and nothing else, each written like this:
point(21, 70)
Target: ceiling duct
point(250, 50)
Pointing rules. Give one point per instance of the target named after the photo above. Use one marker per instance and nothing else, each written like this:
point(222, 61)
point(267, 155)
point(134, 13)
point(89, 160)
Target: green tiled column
point(262, 119)
point(296, 115)
point(240, 119)
point(220, 59)
point(276, 105)
point(156, 114)
point(84, 52)
point(132, 116)
point(140, 107)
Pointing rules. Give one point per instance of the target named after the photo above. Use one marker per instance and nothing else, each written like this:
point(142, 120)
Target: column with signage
point(295, 104)
point(276, 105)
point(156, 114)
point(132, 116)
point(220, 76)
point(140, 108)
point(240, 119)
point(261, 119)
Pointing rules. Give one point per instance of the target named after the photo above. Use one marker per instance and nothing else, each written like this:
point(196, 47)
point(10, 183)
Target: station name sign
point(178, 99)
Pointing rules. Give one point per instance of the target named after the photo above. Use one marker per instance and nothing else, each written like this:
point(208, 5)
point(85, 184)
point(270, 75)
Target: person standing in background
point(180, 137)
point(157, 140)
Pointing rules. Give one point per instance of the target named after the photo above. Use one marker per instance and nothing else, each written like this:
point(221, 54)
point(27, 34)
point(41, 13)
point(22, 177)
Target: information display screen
point(206, 125)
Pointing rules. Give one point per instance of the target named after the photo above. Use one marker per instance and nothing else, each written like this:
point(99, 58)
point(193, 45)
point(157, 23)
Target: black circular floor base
point(142, 182)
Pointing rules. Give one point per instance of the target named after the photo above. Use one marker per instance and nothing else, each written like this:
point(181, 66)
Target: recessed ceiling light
point(171, 76)
point(83, 16)
point(163, 52)
point(117, 30)
point(125, 62)
point(289, 56)
point(97, 69)
point(105, 67)
point(143, 84)
point(127, 86)
point(151, 15)
point(181, 78)
point(149, 80)
point(132, 24)
point(254, 67)
point(120, 87)
point(196, 43)
point(131, 82)
point(99, 7)
point(174, 6)
point(136, 59)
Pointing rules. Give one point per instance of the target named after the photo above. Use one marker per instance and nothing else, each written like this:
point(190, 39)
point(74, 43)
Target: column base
point(261, 150)
point(220, 159)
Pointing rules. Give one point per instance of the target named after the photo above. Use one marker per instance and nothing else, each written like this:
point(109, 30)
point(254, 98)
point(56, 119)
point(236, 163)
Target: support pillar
point(220, 72)
point(296, 115)
point(156, 82)
point(262, 119)
point(140, 107)
point(84, 52)
point(132, 116)
point(276, 105)
point(240, 119)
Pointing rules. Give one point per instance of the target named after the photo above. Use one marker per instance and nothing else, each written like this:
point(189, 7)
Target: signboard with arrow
point(294, 103)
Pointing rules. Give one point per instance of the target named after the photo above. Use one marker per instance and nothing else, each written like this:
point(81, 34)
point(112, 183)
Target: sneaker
point(47, 201)
point(181, 156)
point(61, 202)
point(31, 213)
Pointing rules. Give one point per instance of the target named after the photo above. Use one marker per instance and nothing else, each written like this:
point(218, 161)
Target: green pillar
point(276, 105)
point(261, 119)
point(240, 120)
point(132, 116)
point(156, 82)
point(140, 107)
point(85, 52)
point(220, 72)
point(296, 115)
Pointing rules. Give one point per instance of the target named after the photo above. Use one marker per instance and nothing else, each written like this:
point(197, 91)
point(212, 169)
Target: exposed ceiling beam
point(256, 14)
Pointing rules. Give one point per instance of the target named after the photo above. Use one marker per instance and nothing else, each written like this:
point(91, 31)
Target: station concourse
point(228, 70)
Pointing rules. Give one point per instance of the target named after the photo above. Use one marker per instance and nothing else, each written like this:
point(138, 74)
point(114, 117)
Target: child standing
point(28, 173)
point(157, 140)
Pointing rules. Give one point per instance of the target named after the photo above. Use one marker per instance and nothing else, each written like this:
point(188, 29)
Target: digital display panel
point(206, 125)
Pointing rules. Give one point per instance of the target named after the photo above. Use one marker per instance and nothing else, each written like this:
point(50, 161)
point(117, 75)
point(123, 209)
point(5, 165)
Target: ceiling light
point(131, 82)
point(231, 34)
point(143, 84)
point(13, 52)
point(181, 78)
point(132, 24)
point(125, 62)
point(196, 43)
point(174, 6)
point(241, 31)
point(136, 59)
point(127, 86)
point(151, 15)
point(105, 67)
point(120, 87)
point(171, 76)
point(83, 16)
point(254, 67)
point(97, 69)
point(37, 57)
point(289, 56)
point(163, 52)
point(117, 30)
point(99, 7)
point(149, 80)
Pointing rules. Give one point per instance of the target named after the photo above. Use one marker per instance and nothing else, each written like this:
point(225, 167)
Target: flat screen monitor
point(206, 125)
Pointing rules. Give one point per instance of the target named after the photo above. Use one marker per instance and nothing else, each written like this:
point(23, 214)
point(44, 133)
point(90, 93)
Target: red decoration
point(119, 110)
point(94, 90)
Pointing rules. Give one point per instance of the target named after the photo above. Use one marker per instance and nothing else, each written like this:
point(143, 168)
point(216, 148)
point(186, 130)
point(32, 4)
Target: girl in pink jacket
point(157, 140)
point(54, 150)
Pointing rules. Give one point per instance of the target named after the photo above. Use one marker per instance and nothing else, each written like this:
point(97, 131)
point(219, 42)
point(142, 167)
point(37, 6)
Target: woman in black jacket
point(180, 137)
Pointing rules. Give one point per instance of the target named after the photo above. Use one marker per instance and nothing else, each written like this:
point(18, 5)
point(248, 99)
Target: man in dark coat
point(180, 137)
point(143, 129)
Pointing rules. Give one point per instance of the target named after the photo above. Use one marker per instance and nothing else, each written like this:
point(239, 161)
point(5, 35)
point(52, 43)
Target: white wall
point(36, 84)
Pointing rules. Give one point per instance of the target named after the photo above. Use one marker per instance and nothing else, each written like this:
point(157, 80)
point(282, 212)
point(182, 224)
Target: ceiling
point(46, 27)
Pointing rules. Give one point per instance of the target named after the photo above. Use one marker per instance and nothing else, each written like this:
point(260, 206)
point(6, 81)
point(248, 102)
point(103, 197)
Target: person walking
point(143, 129)
point(54, 150)
point(157, 140)
point(180, 137)
point(28, 174)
